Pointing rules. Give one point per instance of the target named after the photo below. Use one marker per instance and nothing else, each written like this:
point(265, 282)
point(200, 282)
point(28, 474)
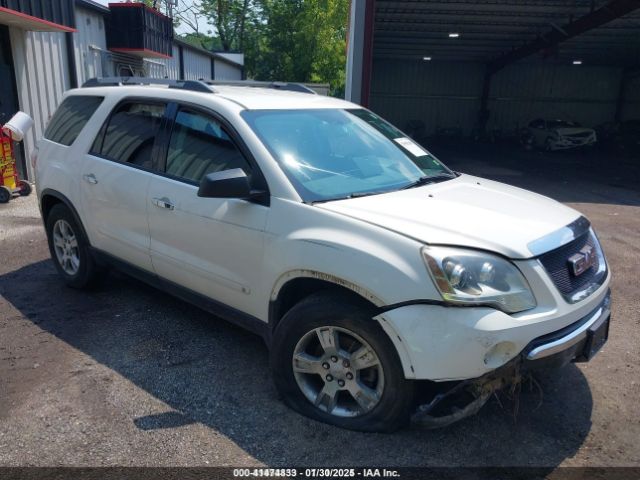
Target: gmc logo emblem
point(582, 261)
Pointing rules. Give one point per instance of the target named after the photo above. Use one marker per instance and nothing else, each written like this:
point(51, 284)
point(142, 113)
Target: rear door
point(211, 246)
point(115, 178)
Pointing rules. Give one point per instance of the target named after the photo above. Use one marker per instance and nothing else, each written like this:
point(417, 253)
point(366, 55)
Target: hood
point(573, 130)
point(466, 211)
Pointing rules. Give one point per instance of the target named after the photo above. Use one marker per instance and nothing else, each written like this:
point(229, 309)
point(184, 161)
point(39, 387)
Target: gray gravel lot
point(125, 375)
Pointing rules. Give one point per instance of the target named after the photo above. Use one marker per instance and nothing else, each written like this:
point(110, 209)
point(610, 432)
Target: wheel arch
point(295, 285)
point(50, 198)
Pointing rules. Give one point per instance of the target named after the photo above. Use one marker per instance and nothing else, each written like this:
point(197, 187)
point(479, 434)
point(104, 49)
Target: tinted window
point(130, 133)
point(199, 145)
point(70, 118)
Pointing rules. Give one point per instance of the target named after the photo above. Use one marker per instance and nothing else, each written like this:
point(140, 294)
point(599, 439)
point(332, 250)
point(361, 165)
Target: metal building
point(472, 66)
point(46, 51)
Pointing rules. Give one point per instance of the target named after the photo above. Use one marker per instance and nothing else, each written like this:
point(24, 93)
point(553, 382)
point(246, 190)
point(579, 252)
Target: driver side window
point(199, 145)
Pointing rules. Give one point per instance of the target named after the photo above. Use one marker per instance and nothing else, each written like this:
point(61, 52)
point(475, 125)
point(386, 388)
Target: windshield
point(330, 154)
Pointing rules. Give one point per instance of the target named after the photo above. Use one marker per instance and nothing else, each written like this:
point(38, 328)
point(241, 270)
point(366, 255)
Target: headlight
point(476, 278)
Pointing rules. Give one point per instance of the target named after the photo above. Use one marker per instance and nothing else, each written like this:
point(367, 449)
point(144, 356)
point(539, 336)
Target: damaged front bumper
point(578, 342)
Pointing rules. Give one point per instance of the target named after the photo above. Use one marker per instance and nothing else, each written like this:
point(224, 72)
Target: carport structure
point(473, 65)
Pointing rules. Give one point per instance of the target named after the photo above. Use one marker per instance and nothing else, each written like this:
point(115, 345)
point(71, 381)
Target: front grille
point(556, 263)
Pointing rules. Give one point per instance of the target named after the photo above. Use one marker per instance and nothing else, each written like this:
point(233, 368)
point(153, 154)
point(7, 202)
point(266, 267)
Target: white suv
point(386, 285)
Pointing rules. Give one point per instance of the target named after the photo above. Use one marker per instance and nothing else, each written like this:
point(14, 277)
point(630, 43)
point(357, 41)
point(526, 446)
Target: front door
point(211, 246)
point(115, 179)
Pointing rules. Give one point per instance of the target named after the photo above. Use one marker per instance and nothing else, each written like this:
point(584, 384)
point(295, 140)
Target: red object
point(143, 52)
point(8, 170)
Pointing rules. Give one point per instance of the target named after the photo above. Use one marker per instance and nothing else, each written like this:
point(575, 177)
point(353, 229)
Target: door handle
point(163, 202)
point(91, 178)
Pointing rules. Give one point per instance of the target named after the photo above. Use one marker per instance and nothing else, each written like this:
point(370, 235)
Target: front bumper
point(577, 342)
point(568, 142)
point(446, 343)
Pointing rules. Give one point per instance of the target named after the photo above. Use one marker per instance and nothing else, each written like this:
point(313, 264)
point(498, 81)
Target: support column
point(360, 51)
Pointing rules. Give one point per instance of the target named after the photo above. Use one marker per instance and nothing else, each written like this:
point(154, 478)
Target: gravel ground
point(125, 375)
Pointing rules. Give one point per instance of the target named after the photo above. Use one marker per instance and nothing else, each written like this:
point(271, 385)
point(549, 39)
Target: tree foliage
point(291, 40)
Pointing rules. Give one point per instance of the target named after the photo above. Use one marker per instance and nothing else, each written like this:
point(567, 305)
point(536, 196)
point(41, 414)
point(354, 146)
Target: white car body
point(370, 245)
point(544, 134)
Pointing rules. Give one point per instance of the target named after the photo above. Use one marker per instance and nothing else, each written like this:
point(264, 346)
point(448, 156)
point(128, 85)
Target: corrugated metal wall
point(173, 65)
point(42, 76)
point(90, 46)
point(196, 65)
point(523, 92)
point(226, 71)
point(446, 95)
point(440, 95)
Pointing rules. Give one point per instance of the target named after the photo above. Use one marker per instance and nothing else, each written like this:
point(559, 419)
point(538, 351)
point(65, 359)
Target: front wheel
point(332, 362)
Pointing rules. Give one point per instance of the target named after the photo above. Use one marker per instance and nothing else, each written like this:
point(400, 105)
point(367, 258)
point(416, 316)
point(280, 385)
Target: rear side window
point(129, 133)
point(70, 118)
point(199, 145)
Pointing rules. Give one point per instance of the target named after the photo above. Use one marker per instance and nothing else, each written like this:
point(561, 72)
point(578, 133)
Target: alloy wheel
point(65, 244)
point(338, 371)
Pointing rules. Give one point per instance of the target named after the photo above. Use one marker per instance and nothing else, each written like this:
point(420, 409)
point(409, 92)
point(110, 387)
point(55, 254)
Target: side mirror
point(232, 183)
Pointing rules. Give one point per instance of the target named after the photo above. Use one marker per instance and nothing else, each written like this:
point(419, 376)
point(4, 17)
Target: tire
point(385, 411)
point(25, 188)
point(5, 194)
point(86, 273)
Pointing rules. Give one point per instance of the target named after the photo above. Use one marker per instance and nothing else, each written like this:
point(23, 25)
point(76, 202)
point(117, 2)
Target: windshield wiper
point(428, 179)
point(350, 196)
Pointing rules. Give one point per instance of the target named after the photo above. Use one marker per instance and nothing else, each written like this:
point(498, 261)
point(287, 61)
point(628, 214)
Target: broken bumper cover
point(578, 342)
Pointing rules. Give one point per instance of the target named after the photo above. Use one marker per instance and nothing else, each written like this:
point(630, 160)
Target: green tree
point(291, 40)
point(229, 17)
point(304, 41)
point(201, 40)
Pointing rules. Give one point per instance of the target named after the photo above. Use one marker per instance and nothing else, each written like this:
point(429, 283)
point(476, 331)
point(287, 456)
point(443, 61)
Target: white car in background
point(370, 269)
point(553, 135)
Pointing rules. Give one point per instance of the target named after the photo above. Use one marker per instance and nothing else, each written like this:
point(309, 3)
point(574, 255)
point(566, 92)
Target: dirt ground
point(126, 375)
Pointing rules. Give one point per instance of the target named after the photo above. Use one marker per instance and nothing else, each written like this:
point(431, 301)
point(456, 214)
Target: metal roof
point(489, 29)
point(178, 41)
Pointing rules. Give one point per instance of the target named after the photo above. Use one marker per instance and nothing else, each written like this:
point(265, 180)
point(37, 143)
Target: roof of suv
point(247, 97)
point(255, 98)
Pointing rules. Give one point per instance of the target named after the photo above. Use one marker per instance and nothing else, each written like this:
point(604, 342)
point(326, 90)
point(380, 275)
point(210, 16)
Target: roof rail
point(290, 86)
point(193, 85)
point(206, 86)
